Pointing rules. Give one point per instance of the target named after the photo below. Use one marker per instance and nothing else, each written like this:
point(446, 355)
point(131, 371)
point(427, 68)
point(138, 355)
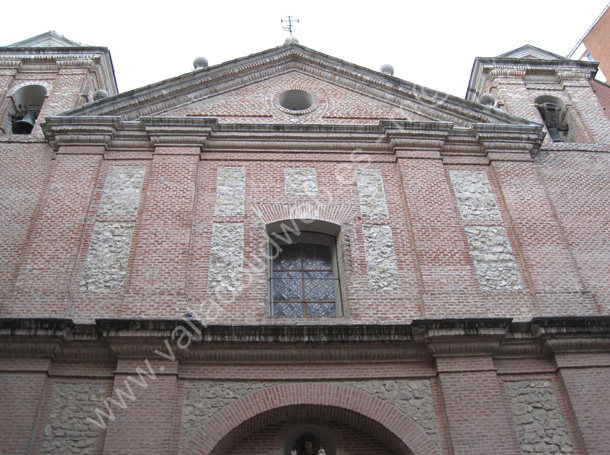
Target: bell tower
point(39, 77)
point(46, 75)
point(545, 88)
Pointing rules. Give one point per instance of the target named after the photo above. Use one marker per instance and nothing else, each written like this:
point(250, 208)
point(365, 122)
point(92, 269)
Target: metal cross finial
point(290, 25)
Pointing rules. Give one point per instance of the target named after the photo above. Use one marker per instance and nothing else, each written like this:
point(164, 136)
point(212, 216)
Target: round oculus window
point(296, 100)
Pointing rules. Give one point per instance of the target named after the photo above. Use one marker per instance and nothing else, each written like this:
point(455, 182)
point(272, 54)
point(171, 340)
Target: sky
point(432, 43)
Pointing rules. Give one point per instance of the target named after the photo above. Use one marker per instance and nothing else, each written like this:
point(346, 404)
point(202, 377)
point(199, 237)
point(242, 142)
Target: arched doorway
point(311, 430)
point(271, 420)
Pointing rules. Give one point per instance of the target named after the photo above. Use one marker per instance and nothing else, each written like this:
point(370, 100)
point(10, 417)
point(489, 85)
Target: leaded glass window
point(304, 282)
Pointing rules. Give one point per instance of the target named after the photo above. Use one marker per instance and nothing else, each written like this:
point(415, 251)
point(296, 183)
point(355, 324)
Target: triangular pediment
point(248, 90)
point(48, 39)
point(261, 102)
point(532, 52)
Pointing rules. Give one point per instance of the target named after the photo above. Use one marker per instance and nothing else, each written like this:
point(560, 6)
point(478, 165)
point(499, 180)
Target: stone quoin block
point(122, 189)
point(380, 258)
point(226, 257)
point(106, 263)
point(66, 429)
point(493, 258)
point(230, 191)
point(371, 193)
point(475, 197)
point(301, 181)
point(540, 425)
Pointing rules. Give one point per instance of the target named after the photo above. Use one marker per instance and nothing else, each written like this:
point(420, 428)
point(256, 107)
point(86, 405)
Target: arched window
point(28, 102)
point(304, 277)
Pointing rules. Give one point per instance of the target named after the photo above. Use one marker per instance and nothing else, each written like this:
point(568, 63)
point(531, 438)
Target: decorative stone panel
point(371, 193)
point(230, 191)
point(381, 261)
point(226, 257)
point(475, 197)
point(108, 256)
point(300, 181)
point(66, 430)
point(537, 416)
point(204, 399)
point(411, 397)
point(121, 194)
point(493, 257)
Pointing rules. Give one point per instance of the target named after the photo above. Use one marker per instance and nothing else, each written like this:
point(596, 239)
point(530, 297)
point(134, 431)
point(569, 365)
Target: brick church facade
point(288, 254)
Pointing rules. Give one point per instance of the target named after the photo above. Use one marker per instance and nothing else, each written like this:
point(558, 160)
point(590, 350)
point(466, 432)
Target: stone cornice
point(462, 337)
point(139, 338)
point(574, 334)
point(511, 141)
point(389, 136)
point(84, 131)
point(190, 131)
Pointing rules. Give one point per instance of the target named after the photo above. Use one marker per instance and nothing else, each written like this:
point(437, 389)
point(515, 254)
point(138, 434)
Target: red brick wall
point(603, 95)
point(47, 266)
point(474, 406)
point(584, 380)
point(24, 172)
point(578, 185)
point(596, 42)
point(20, 395)
point(146, 425)
point(170, 255)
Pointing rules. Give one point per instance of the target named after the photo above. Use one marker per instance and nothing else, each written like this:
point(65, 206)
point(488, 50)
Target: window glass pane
point(316, 257)
point(287, 286)
point(319, 287)
point(321, 309)
point(302, 280)
point(293, 310)
point(289, 258)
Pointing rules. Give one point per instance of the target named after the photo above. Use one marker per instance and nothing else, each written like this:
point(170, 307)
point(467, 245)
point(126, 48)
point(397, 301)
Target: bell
point(25, 125)
point(555, 136)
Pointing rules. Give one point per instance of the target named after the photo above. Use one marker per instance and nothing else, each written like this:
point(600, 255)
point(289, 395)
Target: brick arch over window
point(338, 214)
point(354, 407)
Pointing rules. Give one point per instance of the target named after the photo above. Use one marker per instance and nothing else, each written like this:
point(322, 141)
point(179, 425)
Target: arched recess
point(28, 102)
point(562, 120)
point(378, 418)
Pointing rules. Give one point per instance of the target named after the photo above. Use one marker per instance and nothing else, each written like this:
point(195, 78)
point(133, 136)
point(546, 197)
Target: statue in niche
point(306, 445)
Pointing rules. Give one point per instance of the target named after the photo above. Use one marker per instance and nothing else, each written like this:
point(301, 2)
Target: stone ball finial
point(200, 62)
point(487, 99)
point(291, 40)
point(387, 69)
point(100, 94)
